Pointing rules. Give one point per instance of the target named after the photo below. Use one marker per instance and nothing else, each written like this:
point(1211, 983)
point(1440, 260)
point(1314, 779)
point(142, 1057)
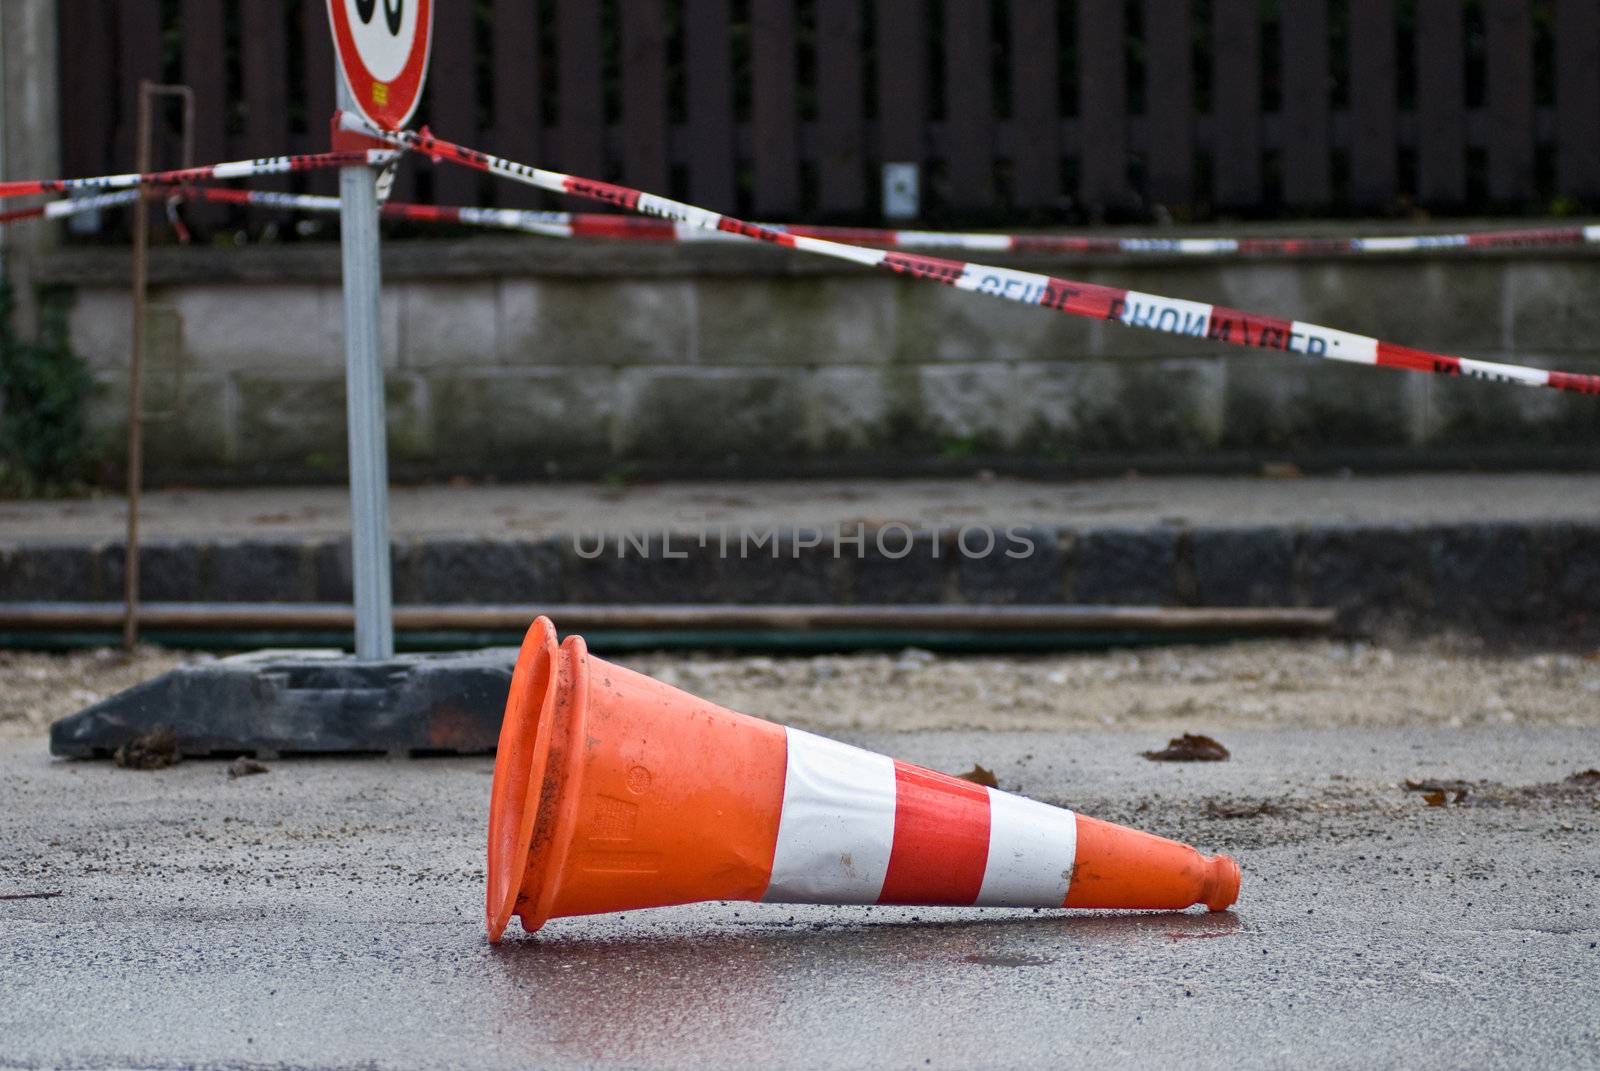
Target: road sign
point(383, 55)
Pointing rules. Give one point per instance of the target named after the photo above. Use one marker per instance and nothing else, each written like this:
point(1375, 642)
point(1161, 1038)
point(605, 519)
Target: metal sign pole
point(369, 460)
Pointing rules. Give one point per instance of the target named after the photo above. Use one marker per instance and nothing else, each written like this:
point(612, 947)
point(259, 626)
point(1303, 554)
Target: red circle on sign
point(385, 103)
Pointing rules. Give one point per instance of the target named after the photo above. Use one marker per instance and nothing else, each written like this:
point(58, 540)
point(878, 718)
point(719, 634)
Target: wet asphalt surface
point(329, 914)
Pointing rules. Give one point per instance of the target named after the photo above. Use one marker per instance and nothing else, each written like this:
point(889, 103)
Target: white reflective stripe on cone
point(837, 827)
point(1032, 848)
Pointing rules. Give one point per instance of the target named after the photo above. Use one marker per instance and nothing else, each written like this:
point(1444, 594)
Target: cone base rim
point(523, 751)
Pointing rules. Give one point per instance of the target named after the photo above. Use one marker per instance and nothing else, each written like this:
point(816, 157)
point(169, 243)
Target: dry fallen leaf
point(154, 750)
point(1434, 798)
point(1190, 747)
point(244, 767)
point(978, 775)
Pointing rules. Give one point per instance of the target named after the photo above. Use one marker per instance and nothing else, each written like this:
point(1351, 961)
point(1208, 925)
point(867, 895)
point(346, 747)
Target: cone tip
point(1222, 884)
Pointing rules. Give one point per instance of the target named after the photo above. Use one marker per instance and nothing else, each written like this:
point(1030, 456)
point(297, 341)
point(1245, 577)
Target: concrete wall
point(519, 357)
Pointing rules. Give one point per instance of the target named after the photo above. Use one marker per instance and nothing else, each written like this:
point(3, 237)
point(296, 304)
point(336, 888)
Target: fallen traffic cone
point(613, 792)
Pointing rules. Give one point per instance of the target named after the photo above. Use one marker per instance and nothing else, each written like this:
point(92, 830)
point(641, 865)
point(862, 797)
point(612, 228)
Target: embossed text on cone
point(613, 792)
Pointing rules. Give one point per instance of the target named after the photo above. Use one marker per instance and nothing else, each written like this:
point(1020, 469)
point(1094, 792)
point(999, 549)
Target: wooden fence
point(1016, 110)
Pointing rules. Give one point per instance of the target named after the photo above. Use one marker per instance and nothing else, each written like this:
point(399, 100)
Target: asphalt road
point(330, 914)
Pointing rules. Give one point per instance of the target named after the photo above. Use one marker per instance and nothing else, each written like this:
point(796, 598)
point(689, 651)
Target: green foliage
point(46, 447)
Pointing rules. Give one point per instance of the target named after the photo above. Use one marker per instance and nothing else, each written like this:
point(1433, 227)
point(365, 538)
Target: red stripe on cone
point(941, 839)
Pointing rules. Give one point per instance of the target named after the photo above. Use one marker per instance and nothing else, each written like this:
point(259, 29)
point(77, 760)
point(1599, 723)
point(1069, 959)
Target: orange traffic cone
point(613, 791)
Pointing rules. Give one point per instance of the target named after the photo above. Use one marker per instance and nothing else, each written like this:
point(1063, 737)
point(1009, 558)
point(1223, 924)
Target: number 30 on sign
point(383, 55)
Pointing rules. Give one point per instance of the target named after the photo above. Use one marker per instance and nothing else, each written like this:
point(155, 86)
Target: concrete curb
point(1527, 582)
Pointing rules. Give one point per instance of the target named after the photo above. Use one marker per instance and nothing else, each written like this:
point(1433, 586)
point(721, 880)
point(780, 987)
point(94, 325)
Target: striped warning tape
point(640, 228)
point(593, 225)
point(508, 218)
point(1132, 308)
point(71, 206)
point(270, 165)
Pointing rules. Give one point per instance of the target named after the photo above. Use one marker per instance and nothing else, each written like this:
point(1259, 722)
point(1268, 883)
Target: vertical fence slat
point(644, 95)
point(969, 108)
point(1578, 98)
point(316, 41)
point(775, 138)
point(1307, 158)
point(1441, 103)
point(87, 119)
point(580, 126)
point(1236, 102)
point(518, 112)
point(264, 65)
point(1374, 155)
point(1102, 107)
point(709, 59)
point(139, 30)
point(453, 98)
point(902, 89)
point(1508, 71)
point(204, 71)
point(1169, 100)
point(1035, 93)
point(839, 119)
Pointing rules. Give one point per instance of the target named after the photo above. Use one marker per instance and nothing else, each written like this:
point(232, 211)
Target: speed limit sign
point(383, 54)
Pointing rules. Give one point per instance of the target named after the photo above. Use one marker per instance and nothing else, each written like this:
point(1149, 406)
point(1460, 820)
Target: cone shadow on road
point(1046, 933)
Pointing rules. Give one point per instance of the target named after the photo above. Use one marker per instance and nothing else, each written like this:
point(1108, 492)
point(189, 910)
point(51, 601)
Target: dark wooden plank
point(774, 122)
point(1508, 31)
point(204, 71)
point(264, 65)
point(317, 65)
point(1236, 103)
point(518, 118)
point(840, 185)
point(645, 145)
point(902, 53)
point(709, 59)
point(1441, 103)
point(1035, 114)
point(969, 106)
point(87, 99)
point(1374, 152)
point(1102, 108)
point(452, 91)
point(1307, 148)
point(1169, 101)
point(580, 124)
point(139, 54)
point(1578, 98)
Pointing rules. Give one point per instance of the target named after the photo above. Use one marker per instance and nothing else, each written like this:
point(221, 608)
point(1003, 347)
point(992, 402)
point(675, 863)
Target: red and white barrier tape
point(71, 206)
point(596, 225)
point(270, 165)
point(1132, 308)
point(508, 218)
point(640, 228)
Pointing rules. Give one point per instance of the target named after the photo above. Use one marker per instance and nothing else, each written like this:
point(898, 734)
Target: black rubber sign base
point(270, 704)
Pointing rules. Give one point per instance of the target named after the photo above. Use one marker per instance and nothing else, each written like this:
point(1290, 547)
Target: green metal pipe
point(623, 640)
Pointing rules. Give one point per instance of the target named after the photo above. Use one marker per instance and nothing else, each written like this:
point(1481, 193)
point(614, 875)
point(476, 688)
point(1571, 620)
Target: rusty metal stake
point(148, 91)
